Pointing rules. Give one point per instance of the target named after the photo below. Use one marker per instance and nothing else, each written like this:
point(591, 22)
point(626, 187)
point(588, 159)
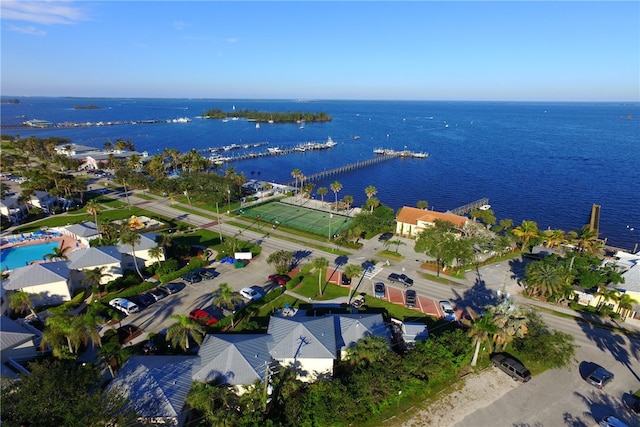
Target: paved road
point(558, 397)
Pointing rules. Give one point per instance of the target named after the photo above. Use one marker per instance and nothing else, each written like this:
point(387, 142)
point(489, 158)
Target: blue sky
point(564, 51)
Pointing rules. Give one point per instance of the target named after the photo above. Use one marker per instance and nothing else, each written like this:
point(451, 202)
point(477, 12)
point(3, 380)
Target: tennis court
point(299, 218)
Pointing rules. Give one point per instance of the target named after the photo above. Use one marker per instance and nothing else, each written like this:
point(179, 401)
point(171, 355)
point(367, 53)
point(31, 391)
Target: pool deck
point(65, 241)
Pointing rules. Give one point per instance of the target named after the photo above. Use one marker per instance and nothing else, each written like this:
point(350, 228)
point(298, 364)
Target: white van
point(124, 305)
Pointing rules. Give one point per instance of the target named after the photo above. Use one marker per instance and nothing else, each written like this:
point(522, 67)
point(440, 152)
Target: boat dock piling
point(470, 206)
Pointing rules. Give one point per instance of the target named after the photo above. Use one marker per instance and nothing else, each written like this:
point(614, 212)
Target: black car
point(385, 236)
point(402, 278)
point(378, 290)
point(206, 274)
point(346, 281)
point(633, 403)
point(410, 298)
point(192, 278)
point(142, 300)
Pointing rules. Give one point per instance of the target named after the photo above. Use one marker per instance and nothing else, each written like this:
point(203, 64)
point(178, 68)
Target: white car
point(250, 293)
point(124, 305)
point(447, 310)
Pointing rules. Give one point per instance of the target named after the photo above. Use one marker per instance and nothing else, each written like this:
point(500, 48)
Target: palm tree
point(225, 298)
point(370, 191)
point(511, 322)
point(21, 301)
point(368, 350)
point(93, 208)
point(336, 187)
point(525, 232)
point(543, 279)
point(185, 328)
point(320, 264)
point(625, 302)
point(57, 254)
point(422, 204)
point(353, 272)
point(588, 240)
point(348, 200)
point(129, 237)
point(396, 242)
point(481, 330)
point(295, 174)
point(322, 191)
point(554, 238)
point(93, 278)
point(373, 203)
point(156, 253)
point(605, 294)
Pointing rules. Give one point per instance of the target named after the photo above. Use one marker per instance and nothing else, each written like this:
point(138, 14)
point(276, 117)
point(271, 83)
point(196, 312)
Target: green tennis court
point(299, 218)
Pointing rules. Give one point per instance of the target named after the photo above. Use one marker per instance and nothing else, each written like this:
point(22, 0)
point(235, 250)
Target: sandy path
point(472, 393)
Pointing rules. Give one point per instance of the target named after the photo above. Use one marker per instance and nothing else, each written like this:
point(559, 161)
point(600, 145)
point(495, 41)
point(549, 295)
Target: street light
point(330, 217)
point(219, 223)
point(228, 199)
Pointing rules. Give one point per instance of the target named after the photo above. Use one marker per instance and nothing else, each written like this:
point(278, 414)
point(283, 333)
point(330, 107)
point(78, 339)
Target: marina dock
point(465, 209)
point(345, 168)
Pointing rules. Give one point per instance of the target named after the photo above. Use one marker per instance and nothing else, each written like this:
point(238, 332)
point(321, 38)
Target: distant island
point(87, 107)
point(270, 117)
point(9, 101)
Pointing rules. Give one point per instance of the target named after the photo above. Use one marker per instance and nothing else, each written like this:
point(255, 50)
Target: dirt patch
point(473, 392)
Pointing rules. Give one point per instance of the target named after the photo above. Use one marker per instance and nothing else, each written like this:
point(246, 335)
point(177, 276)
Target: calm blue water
point(13, 258)
point(546, 162)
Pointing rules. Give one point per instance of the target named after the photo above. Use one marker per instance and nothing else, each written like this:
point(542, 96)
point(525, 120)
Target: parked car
point(250, 293)
point(599, 377)
point(280, 279)
point(192, 278)
point(170, 288)
point(142, 300)
point(611, 421)
point(410, 298)
point(346, 281)
point(447, 310)
point(402, 278)
point(124, 305)
point(358, 301)
point(378, 290)
point(157, 294)
point(512, 367)
point(206, 274)
point(633, 404)
point(201, 316)
point(385, 236)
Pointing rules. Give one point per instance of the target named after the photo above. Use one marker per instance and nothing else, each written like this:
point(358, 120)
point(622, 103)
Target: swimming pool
point(12, 258)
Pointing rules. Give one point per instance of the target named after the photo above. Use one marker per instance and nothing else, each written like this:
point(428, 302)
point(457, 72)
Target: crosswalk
point(370, 274)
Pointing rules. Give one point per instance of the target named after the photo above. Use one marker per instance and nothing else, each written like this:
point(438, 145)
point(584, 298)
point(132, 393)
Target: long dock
point(470, 206)
point(346, 168)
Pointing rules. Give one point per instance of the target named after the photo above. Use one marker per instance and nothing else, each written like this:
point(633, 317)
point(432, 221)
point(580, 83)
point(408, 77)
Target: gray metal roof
point(37, 274)
point(353, 327)
point(94, 257)
point(303, 338)
point(86, 229)
point(156, 386)
point(147, 241)
point(233, 358)
point(13, 334)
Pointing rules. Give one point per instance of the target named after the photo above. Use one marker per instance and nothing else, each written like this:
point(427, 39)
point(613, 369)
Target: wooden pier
point(462, 210)
point(345, 168)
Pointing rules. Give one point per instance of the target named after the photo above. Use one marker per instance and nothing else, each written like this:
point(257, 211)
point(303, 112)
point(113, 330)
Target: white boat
point(330, 143)
point(257, 125)
point(274, 150)
point(485, 207)
point(420, 155)
point(378, 151)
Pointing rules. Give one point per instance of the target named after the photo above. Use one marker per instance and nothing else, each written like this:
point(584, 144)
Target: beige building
point(411, 221)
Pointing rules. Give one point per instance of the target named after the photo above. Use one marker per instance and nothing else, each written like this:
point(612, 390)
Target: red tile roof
point(409, 215)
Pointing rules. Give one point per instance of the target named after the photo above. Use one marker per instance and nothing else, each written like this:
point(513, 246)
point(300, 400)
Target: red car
point(280, 279)
point(202, 316)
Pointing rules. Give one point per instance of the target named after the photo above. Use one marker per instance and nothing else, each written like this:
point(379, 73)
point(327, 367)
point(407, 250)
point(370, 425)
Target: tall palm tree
point(554, 238)
point(348, 200)
point(481, 331)
point(543, 279)
point(320, 264)
point(93, 278)
point(373, 203)
point(336, 187)
point(588, 240)
point(322, 191)
point(625, 302)
point(370, 191)
point(526, 231)
point(368, 350)
point(180, 332)
point(605, 294)
point(93, 208)
point(129, 237)
point(353, 272)
point(511, 321)
point(21, 301)
point(156, 253)
point(295, 174)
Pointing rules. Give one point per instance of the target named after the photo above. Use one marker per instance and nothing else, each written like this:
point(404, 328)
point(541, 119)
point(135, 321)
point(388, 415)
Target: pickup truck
point(402, 278)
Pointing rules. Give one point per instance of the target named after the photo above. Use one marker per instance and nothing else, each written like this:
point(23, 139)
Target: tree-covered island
point(87, 107)
point(275, 117)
